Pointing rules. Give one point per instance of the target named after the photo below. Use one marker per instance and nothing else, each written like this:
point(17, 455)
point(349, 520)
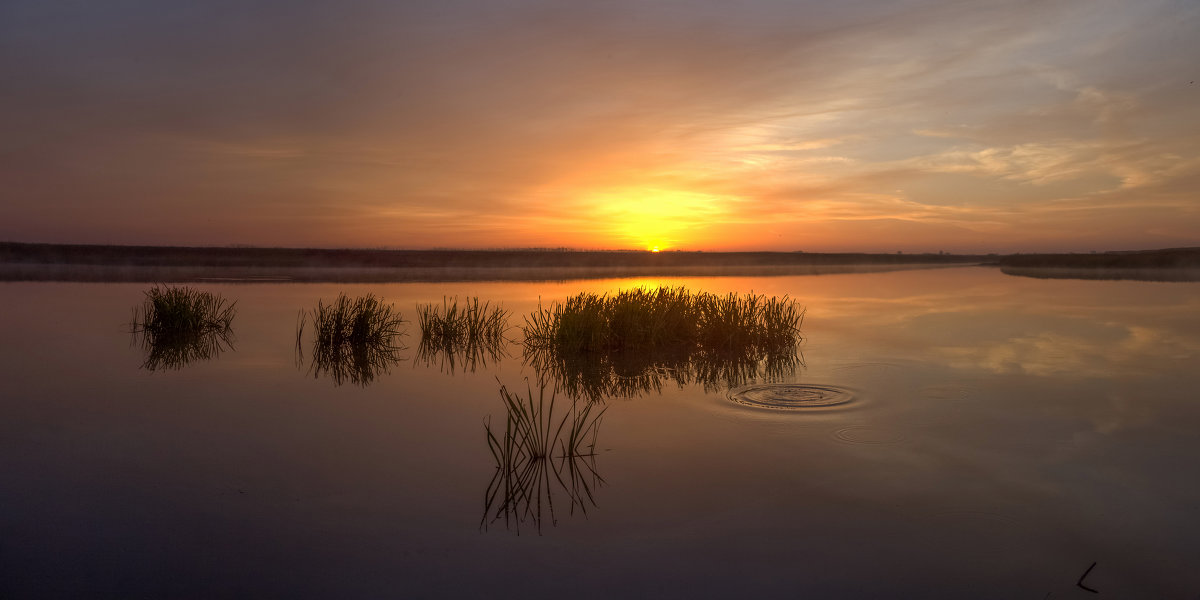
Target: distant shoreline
point(64, 262)
point(119, 273)
point(1168, 258)
point(1167, 265)
point(320, 257)
point(75, 262)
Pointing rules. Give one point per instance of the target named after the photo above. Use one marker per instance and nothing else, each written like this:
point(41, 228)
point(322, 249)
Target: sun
point(654, 219)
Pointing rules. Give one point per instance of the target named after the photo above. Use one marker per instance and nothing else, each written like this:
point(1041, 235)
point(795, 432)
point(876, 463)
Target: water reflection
point(176, 349)
point(462, 355)
point(1112, 274)
point(359, 365)
point(595, 376)
point(354, 340)
point(179, 325)
point(990, 413)
point(541, 456)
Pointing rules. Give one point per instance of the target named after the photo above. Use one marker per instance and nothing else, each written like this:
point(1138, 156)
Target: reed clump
point(633, 341)
point(471, 321)
point(353, 339)
point(169, 310)
point(466, 334)
point(178, 325)
point(540, 454)
point(646, 319)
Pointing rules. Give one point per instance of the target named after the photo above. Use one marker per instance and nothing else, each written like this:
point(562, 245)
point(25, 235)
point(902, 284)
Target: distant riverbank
point(58, 262)
point(67, 262)
point(1169, 258)
point(1171, 264)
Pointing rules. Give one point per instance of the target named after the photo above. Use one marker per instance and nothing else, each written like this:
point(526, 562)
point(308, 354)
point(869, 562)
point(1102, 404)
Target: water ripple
point(859, 434)
point(791, 396)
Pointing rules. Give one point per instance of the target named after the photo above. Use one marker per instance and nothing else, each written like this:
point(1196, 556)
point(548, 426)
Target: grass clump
point(169, 309)
point(540, 455)
point(638, 318)
point(632, 341)
point(466, 334)
point(472, 322)
point(645, 319)
point(178, 325)
point(354, 339)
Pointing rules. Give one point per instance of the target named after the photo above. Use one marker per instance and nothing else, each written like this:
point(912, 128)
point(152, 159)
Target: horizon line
point(565, 249)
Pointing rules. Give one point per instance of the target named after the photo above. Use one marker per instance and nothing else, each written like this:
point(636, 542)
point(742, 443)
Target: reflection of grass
point(466, 335)
point(467, 356)
point(353, 339)
point(535, 445)
point(596, 376)
point(177, 325)
point(631, 342)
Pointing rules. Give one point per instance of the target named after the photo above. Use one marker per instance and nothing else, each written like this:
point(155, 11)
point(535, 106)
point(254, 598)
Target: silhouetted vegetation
point(645, 319)
point(178, 325)
point(632, 342)
point(461, 336)
point(1171, 258)
point(353, 339)
point(539, 455)
point(473, 322)
point(1173, 264)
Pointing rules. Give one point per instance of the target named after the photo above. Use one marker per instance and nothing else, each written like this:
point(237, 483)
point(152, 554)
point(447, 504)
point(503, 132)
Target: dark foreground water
point(953, 433)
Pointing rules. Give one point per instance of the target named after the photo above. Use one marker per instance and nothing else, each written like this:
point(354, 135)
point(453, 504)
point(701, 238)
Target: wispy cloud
point(899, 124)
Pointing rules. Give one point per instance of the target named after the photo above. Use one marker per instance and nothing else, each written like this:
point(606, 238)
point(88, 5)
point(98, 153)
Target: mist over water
point(955, 432)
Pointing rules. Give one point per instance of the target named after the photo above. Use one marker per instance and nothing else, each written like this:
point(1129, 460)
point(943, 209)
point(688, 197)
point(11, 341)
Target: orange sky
point(874, 126)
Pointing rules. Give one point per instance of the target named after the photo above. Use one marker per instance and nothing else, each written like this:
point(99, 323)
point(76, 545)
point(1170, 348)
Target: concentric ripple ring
point(791, 396)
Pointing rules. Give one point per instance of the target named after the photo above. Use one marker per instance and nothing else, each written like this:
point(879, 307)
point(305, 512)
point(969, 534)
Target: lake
point(989, 436)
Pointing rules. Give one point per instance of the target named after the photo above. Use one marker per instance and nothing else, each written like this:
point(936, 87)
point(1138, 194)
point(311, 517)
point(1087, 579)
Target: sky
point(875, 126)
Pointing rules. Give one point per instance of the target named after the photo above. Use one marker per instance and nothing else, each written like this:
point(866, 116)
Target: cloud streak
point(873, 126)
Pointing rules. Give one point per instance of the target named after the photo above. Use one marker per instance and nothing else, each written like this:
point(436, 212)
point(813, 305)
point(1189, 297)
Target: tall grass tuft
point(353, 339)
point(471, 322)
point(178, 325)
point(641, 319)
point(632, 341)
point(466, 334)
point(536, 450)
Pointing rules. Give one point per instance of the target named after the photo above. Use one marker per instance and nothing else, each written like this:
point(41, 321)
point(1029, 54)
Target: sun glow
point(656, 219)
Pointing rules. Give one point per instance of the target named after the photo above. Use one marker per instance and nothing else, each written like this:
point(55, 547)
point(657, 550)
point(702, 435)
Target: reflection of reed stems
point(535, 445)
point(353, 339)
point(465, 356)
point(595, 376)
point(178, 325)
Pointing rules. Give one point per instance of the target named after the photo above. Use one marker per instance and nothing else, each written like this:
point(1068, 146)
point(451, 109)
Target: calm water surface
point(1000, 435)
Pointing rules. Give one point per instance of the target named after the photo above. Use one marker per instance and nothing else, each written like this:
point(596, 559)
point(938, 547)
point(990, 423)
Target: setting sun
point(654, 218)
